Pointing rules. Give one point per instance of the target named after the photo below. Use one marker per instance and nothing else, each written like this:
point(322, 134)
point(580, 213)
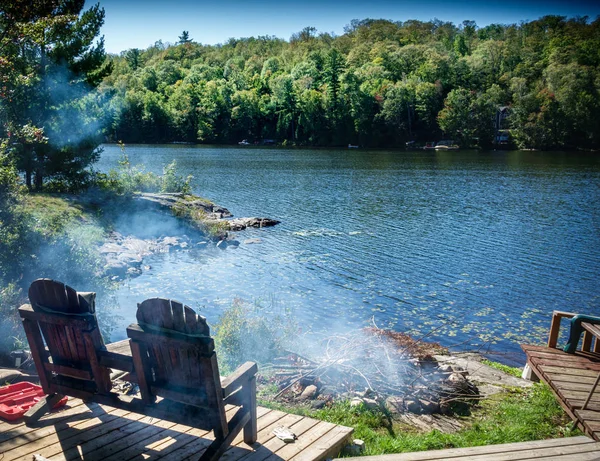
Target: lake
point(470, 249)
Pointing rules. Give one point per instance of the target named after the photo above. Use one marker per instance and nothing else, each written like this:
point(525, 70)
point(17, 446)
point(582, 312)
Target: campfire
point(374, 367)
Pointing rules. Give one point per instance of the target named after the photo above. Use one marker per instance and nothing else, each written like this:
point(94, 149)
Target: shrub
point(172, 182)
point(250, 332)
point(128, 179)
point(10, 325)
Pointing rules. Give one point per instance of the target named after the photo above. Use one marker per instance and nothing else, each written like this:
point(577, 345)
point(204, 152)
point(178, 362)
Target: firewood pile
point(374, 367)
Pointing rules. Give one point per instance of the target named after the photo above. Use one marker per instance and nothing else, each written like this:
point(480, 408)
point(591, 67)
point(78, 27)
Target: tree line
point(381, 83)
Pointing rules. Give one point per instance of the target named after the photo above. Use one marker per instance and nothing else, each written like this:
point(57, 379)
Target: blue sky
point(139, 23)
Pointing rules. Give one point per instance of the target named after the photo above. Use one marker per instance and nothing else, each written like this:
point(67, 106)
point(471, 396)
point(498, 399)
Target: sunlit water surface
point(473, 249)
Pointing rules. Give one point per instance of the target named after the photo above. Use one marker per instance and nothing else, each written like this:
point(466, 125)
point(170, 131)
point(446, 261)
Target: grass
point(51, 214)
point(515, 416)
point(505, 368)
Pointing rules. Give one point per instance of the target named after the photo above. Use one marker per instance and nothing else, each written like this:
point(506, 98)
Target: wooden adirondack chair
point(66, 344)
point(174, 358)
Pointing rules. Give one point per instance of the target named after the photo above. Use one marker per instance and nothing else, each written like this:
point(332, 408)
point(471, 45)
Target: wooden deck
point(89, 431)
point(571, 448)
point(571, 377)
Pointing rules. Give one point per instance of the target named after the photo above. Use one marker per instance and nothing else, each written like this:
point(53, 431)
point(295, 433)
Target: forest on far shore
point(380, 84)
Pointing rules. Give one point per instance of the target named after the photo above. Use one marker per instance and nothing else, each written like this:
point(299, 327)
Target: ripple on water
point(473, 249)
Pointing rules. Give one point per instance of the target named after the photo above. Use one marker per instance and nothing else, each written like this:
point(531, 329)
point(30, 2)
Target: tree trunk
point(39, 172)
point(28, 179)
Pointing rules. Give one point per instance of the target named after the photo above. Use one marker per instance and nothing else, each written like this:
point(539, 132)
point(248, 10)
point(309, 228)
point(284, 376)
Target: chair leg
point(221, 444)
point(41, 408)
point(251, 429)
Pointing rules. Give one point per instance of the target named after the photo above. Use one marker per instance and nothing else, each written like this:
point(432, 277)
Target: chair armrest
point(555, 326)
point(115, 360)
point(238, 378)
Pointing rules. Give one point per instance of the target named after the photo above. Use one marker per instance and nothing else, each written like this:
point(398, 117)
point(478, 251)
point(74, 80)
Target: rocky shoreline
point(171, 222)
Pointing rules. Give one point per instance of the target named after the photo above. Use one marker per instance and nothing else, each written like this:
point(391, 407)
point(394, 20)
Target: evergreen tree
point(51, 46)
point(184, 38)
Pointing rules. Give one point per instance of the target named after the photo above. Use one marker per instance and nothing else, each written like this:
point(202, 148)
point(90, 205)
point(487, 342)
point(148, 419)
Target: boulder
point(394, 404)
point(412, 405)
point(186, 201)
point(356, 401)
point(309, 392)
point(371, 404)
point(356, 448)
point(318, 404)
point(429, 407)
point(238, 224)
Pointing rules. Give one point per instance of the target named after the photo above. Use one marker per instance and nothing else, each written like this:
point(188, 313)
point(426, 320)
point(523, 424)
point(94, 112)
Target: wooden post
point(250, 429)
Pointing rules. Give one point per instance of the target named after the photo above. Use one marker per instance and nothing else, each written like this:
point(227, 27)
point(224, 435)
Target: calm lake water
point(473, 249)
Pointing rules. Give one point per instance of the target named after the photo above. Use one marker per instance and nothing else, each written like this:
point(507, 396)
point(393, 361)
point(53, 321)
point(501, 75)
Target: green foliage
point(57, 238)
point(50, 61)
point(12, 221)
point(10, 322)
point(251, 332)
point(172, 182)
point(129, 179)
point(381, 83)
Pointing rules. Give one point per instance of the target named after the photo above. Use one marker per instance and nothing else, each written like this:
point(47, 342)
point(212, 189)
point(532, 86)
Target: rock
point(185, 201)
point(134, 272)
point(309, 392)
point(412, 405)
point(238, 224)
point(371, 404)
point(233, 243)
point(356, 448)
point(456, 379)
point(445, 408)
point(9, 375)
point(429, 407)
point(493, 381)
point(356, 401)
point(445, 368)
point(318, 404)
point(252, 241)
point(394, 404)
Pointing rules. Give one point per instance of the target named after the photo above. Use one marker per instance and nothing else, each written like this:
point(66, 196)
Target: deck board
point(100, 432)
point(570, 448)
point(570, 376)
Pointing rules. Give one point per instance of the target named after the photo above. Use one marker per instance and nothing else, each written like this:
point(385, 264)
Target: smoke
point(77, 111)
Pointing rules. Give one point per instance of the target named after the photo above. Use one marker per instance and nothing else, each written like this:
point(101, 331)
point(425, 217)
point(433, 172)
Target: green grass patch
point(51, 214)
point(505, 368)
point(515, 416)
